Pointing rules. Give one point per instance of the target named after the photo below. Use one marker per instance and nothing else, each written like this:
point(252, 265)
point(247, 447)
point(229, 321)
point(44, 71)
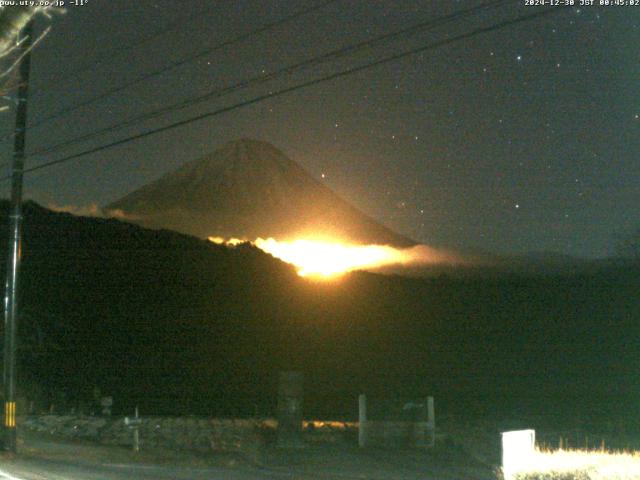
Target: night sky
point(524, 139)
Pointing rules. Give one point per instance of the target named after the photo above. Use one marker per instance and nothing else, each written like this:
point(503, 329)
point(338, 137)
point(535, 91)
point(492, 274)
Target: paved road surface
point(45, 469)
point(48, 458)
point(42, 469)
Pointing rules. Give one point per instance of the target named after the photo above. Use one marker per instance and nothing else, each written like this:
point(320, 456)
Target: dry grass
point(581, 465)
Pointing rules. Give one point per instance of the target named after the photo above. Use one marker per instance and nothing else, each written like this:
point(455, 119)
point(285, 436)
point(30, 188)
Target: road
point(48, 458)
point(46, 469)
point(43, 469)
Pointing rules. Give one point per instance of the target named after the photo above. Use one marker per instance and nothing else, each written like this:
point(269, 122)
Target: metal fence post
point(431, 421)
point(362, 420)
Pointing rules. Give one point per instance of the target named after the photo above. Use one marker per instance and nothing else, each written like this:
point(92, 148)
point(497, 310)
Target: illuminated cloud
point(330, 259)
point(91, 210)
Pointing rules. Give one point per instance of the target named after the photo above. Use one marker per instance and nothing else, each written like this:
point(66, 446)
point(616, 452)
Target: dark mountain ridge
point(160, 319)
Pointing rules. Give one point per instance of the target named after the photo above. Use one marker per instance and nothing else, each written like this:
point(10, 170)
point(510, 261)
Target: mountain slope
point(165, 321)
point(249, 189)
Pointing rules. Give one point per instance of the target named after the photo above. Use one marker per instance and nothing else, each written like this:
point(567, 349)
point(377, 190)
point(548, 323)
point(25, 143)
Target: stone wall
point(180, 433)
point(197, 434)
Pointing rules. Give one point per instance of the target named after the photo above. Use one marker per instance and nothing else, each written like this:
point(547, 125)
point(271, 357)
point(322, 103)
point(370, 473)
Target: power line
point(333, 76)
point(114, 52)
point(217, 93)
point(179, 63)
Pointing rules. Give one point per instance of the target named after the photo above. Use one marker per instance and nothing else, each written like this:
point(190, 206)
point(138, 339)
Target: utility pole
point(15, 244)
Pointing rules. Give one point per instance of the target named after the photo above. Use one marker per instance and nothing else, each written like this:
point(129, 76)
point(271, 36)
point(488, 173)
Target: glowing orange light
point(222, 241)
point(324, 259)
point(330, 259)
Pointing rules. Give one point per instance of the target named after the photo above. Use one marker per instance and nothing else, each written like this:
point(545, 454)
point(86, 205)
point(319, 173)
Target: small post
point(136, 433)
point(290, 398)
point(134, 425)
point(362, 420)
point(431, 421)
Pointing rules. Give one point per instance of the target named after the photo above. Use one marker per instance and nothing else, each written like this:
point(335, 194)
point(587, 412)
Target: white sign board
point(518, 448)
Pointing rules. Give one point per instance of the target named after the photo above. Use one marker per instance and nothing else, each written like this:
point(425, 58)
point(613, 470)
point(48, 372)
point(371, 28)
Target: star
point(519, 58)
